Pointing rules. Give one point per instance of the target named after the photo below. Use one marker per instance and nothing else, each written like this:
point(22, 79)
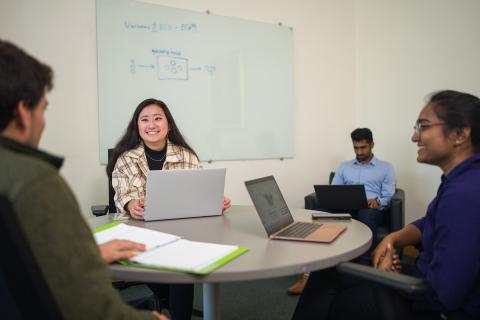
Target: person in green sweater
point(74, 267)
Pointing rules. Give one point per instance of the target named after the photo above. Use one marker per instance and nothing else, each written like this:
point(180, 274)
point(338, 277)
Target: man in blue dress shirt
point(376, 175)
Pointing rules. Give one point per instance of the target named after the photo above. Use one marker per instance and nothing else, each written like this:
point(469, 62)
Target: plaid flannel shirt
point(129, 176)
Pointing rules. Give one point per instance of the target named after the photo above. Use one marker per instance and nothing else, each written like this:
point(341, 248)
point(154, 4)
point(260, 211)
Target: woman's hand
point(396, 264)
point(226, 203)
point(390, 261)
point(386, 261)
point(381, 250)
point(114, 250)
point(136, 208)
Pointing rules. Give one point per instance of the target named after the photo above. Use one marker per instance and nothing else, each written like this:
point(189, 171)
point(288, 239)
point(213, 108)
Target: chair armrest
point(310, 201)
point(397, 210)
point(99, 210)
point(392, 280)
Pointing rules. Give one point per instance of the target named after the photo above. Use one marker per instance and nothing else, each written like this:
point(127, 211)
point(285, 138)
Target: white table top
point(266, 258)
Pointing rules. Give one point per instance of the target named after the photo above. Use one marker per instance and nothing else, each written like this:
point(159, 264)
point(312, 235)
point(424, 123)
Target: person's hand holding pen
point(373, 203)
point(114, 250)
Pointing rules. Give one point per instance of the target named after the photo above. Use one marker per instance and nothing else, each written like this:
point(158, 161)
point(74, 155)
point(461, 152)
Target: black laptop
point(341, 198)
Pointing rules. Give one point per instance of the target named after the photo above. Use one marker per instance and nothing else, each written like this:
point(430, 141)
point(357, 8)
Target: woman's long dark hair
point(458, 110)
point(131, 139)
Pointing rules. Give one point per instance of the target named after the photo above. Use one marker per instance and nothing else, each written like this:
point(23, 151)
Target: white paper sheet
point(186, 255)
point(150, 238)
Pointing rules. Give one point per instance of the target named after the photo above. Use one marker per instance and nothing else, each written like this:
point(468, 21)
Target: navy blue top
point(450, 260)
point(377, 176)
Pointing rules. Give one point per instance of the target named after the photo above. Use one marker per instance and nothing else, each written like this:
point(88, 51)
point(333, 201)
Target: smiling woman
point(153, 127)
point(152, 141)
point(447, 133)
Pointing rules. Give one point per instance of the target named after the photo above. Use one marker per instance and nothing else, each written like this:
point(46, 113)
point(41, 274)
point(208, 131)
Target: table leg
point(211, 301)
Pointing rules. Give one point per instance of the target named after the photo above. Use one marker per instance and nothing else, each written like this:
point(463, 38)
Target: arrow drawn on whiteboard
point(134, 66)
point(150, 66)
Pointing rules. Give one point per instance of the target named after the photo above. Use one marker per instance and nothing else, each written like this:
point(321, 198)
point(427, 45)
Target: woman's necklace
point(153, 159)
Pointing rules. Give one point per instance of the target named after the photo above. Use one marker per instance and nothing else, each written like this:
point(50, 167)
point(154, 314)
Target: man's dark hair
point(458, 110)
point(362, 134)
point(22, 78)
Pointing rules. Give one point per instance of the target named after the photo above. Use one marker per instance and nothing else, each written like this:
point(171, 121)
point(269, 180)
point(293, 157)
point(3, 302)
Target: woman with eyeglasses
point(447, 133)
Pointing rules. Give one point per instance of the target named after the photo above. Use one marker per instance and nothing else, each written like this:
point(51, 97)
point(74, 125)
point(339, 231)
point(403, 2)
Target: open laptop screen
point(269, 202)
point(347, 197)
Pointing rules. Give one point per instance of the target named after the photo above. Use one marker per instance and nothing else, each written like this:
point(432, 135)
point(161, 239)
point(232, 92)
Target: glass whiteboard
point(228, 82)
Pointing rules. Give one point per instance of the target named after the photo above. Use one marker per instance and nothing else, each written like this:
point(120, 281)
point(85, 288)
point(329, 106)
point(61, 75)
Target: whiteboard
point(227, 81)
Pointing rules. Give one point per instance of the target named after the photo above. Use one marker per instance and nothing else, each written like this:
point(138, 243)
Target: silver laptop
point(277, 219)
point(185, 193)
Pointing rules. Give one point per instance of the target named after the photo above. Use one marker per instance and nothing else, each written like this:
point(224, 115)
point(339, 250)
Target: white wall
point(404, 51)
point(357, 63)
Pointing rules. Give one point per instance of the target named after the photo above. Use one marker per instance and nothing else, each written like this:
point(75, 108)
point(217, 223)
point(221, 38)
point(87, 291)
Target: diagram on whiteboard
point(228, 81)
point(171, 67)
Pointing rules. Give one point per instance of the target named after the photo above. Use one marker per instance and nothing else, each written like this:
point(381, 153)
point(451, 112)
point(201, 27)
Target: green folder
point(206, 270)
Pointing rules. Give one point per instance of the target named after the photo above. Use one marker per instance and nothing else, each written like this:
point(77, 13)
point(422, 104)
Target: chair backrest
point(21, 279)
point(111, 192)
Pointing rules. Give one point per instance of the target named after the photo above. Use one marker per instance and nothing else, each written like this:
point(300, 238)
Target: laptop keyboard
point(299, 230)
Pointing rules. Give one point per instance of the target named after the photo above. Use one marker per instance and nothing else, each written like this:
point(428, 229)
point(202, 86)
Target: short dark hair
point(22, 78)
point(362, 134)
point(458, 110)
point(131, 138)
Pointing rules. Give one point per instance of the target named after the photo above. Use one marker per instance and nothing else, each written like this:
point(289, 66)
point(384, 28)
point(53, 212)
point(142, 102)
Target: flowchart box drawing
point(172, 68)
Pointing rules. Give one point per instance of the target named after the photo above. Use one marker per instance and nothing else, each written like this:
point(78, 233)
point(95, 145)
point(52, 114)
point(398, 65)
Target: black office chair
point(111, 192)
point(405, 284)
point(24, 293)
point(397, 281)
point(394, 215)
point(98, 210)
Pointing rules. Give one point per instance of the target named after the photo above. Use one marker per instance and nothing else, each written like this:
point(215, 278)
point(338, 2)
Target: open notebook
point(168, 251)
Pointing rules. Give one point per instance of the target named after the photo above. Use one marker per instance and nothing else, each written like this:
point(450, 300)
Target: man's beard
point(362, 158)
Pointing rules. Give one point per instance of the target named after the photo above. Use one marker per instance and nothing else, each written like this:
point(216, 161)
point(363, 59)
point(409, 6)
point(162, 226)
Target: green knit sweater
point(58, 236)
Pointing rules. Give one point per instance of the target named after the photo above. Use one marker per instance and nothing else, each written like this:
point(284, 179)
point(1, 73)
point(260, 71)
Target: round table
point(240, 225)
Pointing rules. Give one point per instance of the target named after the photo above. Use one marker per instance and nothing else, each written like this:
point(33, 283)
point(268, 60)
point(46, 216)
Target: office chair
point(399, 282)
point(24, 292)
point(111, 192)
point(394, 215)
point(98, 210)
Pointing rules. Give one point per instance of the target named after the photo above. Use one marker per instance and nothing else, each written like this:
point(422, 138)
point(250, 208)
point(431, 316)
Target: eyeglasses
point(422, 126)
